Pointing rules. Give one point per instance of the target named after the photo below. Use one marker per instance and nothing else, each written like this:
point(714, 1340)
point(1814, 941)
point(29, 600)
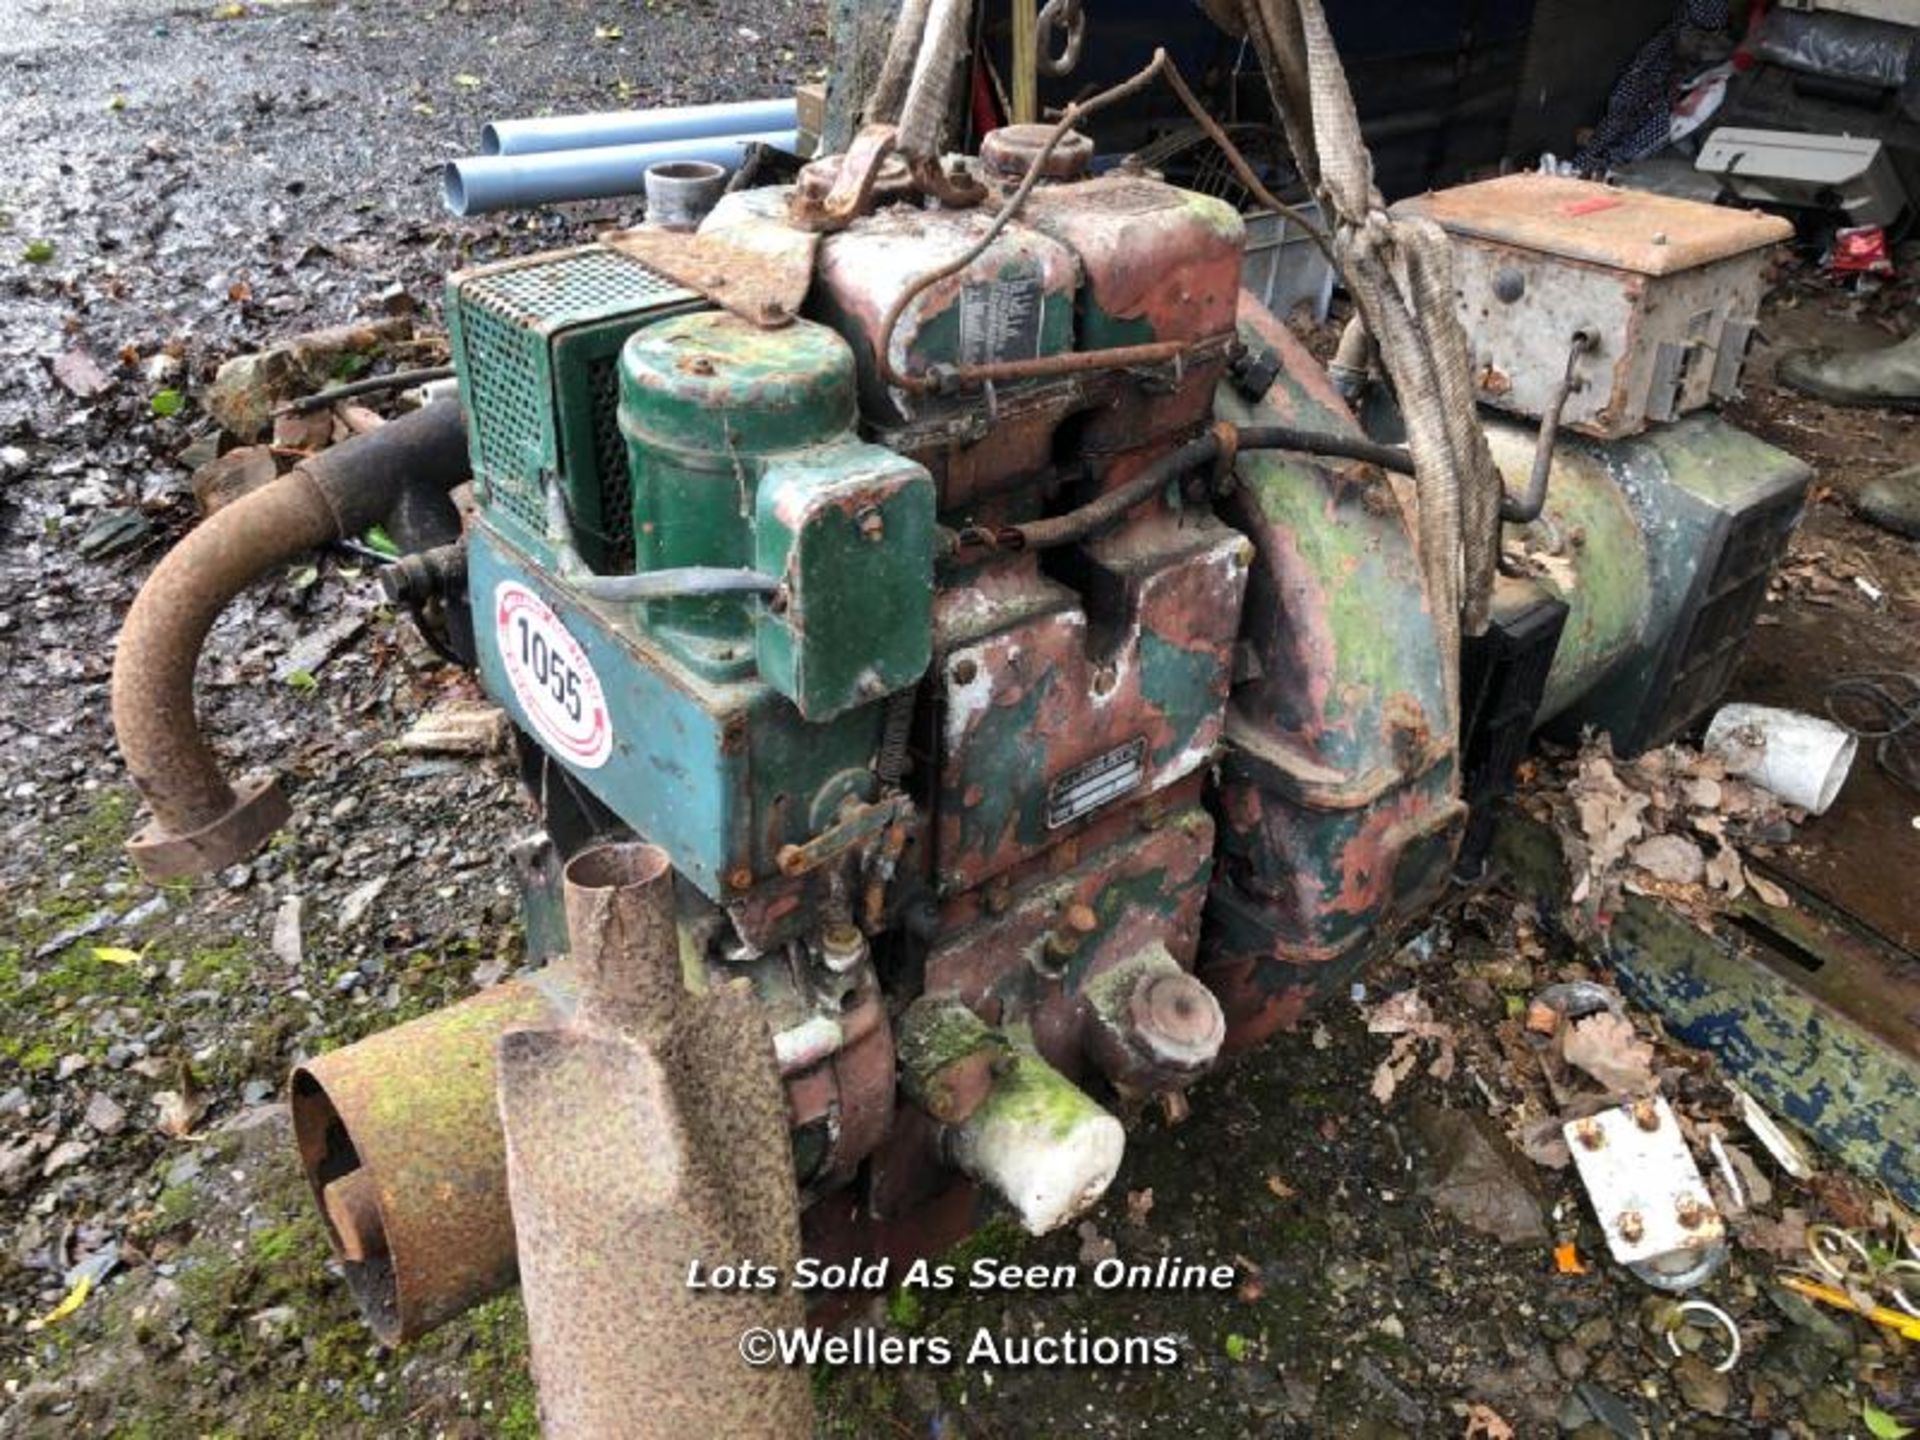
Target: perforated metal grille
point(610, 459)
point(1726, 606)
point(554, 291)
point(504, 380)
point(509, 317)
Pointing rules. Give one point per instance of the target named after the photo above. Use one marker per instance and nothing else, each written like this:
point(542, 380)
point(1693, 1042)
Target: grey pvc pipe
point(481, 183)
point(542, 135)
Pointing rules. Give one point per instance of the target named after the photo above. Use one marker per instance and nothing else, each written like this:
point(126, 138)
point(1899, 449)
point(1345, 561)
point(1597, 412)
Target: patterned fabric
point(1639, 110)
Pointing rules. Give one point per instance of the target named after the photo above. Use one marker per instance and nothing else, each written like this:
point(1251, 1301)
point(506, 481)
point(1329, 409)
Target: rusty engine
point(975, 673)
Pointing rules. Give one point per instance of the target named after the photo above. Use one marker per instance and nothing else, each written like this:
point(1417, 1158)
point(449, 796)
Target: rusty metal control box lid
point(1631, 230)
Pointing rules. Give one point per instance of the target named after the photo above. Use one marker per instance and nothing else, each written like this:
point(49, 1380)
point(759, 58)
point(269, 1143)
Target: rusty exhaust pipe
point(201, 821)
point(649, 1133)
point(399, 1135)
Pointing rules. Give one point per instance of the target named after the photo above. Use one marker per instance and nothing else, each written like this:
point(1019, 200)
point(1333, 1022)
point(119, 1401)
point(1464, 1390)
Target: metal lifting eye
point(1057, 14)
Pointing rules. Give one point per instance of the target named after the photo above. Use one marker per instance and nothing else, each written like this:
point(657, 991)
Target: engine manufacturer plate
point(1095, 782)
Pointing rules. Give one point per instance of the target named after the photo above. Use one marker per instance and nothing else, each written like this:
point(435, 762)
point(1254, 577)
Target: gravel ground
point(193, 183)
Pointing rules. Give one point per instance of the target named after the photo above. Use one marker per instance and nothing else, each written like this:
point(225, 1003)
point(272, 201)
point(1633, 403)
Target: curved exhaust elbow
point(201, 820)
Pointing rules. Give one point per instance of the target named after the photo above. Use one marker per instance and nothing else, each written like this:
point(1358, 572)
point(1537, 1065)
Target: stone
point(1830, 1412)
point(1473, 1173)
point(105, 1114)
point(247, 389)
point(285, 941)
point(226, 478)
point(80, 374)
point(63, 1155)
point(459, 727)
point(359, 901)
point(1701, 1386)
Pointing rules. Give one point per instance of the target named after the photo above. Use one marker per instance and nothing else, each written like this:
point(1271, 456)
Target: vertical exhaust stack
point(645, 1135)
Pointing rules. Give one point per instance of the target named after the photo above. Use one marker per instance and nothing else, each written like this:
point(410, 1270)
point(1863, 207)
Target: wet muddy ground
point(190, 182)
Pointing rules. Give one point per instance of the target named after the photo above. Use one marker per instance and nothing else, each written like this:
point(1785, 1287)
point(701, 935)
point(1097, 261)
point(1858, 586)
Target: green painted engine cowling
point(1335, 804)
point(743, 455)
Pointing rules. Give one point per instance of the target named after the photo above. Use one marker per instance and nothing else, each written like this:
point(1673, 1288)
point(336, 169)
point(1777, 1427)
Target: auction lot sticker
point(551, 677)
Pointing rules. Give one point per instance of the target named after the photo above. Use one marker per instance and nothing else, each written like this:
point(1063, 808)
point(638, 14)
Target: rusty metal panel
point(1631, 230)
point(1042, 686)
point(1336, 799)
point(1030, 959)
point(1669, 289)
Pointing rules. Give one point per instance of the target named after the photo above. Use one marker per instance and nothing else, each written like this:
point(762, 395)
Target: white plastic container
point(1801, 758)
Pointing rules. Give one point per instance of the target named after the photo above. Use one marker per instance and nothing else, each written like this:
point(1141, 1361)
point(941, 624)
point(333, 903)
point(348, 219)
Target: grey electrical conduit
point(478, 184)
point(544, 134)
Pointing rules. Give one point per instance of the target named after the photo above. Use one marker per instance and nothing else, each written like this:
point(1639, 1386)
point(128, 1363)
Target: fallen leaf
point(76, 1297)
point(1566, 1259)
point(1769, 893)
point(467, 82)
point(1281, 1190)
point(1725, 872)
point(1484, 1423)
point(1608, 1048)
point(1671, 858)
point(607, 32)
point(1408, 1017)
point(1785, 1237)
point(37, 252)
point(180, 1109)
point(1882, 1425)
point(116, 955)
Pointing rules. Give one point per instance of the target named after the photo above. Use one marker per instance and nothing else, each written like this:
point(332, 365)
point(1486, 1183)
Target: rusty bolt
point(1689, 1212)
point(872, 526)
point(963, 671)
point(1076, 923)
point(1590, 1135)
point(1645, 1116)
point(1631, 1226)
point(740, 877)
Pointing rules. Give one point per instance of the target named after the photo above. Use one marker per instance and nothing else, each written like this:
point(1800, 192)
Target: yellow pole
point(1024, 83)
